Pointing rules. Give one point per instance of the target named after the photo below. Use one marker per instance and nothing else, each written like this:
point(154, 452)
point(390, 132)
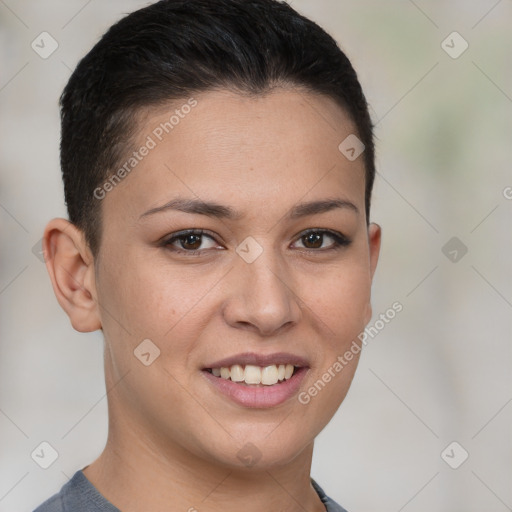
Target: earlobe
point(70, 265)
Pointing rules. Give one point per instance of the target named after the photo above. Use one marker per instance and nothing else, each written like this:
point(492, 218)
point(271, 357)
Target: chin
point(261, 452)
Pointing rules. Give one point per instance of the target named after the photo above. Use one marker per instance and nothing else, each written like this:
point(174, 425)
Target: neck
point(134, 475)
point(138, 471)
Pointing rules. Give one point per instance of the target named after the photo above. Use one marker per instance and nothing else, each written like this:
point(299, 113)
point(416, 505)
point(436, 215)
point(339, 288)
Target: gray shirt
point(79, 495)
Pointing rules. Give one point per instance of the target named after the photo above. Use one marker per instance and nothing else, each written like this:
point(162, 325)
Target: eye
point(189, 241)
point(192, 241)
point(314, 239)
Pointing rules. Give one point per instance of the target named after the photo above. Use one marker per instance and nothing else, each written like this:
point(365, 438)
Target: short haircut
point(173, 49)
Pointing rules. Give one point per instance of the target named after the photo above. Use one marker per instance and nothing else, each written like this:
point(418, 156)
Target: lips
point(261, 360)
point(257, 380)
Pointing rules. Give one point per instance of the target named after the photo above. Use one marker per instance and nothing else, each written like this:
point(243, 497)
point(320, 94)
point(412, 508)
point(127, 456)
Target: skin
point(173, 438)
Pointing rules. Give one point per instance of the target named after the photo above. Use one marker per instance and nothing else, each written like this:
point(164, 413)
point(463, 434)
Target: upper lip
point(259, 360)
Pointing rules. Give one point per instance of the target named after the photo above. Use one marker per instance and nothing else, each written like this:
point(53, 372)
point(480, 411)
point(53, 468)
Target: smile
point(255, 375)
point(252, 379)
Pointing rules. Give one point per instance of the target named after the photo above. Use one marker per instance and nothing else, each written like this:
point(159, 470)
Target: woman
point(218, 163)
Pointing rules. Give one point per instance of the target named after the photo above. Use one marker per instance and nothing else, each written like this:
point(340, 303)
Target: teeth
point(237, 373)
point(252, 374)
point(268, 375)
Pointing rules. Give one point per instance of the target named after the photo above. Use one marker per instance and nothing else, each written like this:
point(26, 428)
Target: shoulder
point(77, 495)
point(56, 503)
point(330, 504)
point(53, 504)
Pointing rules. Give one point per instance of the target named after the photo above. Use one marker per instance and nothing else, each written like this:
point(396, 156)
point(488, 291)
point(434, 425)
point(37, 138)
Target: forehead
point(229, 124)
point(248, 150)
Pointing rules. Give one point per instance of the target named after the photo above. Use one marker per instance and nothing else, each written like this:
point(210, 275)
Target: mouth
point(256, 376)
point(256, 380)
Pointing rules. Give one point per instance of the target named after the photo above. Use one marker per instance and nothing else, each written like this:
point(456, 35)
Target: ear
point(374, 240)
point(70, 264)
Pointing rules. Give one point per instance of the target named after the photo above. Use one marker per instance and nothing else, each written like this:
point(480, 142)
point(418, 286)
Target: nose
point(261, 296)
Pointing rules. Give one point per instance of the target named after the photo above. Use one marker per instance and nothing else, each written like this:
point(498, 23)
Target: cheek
point(340, 301)
point(340, 305)
point(149, 297)
point(156, 304)
point(341, 314)
point(152, 299)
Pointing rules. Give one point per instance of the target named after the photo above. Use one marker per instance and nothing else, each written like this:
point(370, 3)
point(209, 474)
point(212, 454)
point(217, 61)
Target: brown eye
point(314, 239)
point(192, 241)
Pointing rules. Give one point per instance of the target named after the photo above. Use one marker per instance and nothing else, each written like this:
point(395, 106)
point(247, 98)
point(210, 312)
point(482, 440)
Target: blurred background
point(426, 425)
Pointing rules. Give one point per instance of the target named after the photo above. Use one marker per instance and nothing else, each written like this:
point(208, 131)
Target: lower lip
point(255, 396)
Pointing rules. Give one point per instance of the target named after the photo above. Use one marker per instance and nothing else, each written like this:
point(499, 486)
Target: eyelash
point(340, 240)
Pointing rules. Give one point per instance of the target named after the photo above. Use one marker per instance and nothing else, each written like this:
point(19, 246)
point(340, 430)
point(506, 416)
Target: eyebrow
point(212, 209)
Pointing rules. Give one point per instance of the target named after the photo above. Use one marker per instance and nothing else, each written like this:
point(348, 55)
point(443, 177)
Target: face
point(239, 242)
